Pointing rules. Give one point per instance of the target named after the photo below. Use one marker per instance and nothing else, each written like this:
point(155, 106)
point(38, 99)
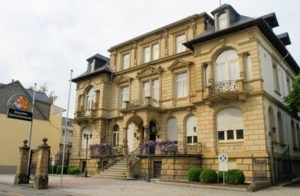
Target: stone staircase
point(115, 171)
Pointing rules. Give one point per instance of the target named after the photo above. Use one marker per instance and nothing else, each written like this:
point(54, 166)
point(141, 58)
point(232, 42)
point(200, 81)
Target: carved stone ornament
point(149, 71)
point(123, 79)
point(179, 63)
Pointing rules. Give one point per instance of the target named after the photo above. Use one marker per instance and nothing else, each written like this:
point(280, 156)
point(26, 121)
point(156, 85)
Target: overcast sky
point(42, 40)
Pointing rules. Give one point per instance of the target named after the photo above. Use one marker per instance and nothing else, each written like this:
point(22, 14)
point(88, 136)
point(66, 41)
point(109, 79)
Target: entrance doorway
point(130, 136)
point(152, 136)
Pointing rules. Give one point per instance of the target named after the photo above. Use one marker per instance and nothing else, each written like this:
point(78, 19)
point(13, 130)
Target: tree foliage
point(44, 89)
point(293, 99)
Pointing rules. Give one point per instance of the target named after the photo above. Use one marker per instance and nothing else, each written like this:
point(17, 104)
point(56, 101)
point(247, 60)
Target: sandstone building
point(209, 84)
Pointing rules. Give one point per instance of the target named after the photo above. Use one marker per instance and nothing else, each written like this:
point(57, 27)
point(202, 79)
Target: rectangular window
point(155, 90)
point(180, 39)
point(115, 139)
point(124, 96)
point(126, 61)
point(276, 78)
point(192, 139)
point(155, 51)
point(205, 75)
point(181, 85)
point(147, 54)
point(146, 89)
point(222, 21)
point(239, 134)
point(221, 135)
point(230, 135)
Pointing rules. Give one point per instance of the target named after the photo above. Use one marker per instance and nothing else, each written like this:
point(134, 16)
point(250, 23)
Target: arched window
point(90, 99)
point(172, 130)
point(115, 133)
point(227, 66)
point(280, 132)
point(230, 125)
point(191, 130)
point(84, 141)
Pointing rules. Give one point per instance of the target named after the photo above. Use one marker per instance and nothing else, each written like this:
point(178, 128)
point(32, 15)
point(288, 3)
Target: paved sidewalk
point(73, 186)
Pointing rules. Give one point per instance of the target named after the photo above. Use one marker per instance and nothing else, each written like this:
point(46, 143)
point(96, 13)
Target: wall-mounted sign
point(18, 108)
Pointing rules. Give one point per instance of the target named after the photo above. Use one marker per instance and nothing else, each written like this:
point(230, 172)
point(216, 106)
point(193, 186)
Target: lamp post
point(273, 130)
point(86, 136)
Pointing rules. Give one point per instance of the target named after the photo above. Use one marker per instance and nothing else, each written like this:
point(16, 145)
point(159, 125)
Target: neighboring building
point(46, 123)
point(211, 85)
point(68, 130)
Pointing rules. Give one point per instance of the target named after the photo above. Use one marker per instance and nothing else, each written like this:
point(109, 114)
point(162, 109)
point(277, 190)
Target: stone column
point(125, 142)
point(22, 166)
point(42, 166)
point(240, 82)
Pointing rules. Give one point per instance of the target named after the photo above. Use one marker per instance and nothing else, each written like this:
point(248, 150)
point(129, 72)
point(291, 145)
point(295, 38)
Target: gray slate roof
point(39, 96)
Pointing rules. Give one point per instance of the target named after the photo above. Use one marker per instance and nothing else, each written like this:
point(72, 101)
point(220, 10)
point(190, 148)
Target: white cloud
point(40, 41)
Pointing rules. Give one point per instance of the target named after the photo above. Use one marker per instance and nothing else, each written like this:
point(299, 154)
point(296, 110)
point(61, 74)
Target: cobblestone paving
point(73, 186)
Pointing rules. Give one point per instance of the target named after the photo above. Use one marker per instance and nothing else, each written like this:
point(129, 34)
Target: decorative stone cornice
point(123, 79)
point(179, 64)
point(149, 71)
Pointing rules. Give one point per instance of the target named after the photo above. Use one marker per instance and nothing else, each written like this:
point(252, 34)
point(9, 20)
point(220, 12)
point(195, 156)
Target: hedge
point(58, 169)
point(194, 174)
point(208, 176)
point(73, 170)
point(235, 176)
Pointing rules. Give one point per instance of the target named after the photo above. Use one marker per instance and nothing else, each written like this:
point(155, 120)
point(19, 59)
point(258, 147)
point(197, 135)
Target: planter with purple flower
point(100, 150)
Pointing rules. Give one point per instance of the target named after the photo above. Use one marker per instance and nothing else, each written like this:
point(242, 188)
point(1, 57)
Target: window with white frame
point(181, 85)
point(124, 96)
point(150, 53)
point(230, 125)
point(191, 130)
point(180, 39)
point(222, 21)
point(172, 133)
point(227, 66)
point(205, 75)
point(146, 89)
point(90, 99)
point(155, 51)
point(85, 143)
point(126, 61)
point(115, 136)
point(155, 89)
point(147, 54)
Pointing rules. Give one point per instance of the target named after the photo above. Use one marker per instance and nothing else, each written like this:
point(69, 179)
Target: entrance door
point(130, 137)
point(157, 169)
point(152, 137)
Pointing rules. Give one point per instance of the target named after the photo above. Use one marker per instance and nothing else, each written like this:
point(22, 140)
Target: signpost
point(19, 114)
point(223, 165)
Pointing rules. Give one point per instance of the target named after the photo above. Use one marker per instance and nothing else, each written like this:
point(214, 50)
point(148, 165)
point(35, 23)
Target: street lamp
point(86, 136)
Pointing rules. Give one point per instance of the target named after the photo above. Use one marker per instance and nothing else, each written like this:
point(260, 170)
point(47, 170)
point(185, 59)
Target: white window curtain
point(181, 85)
point(147, 54)
point(90, 99)
point(146, 89)
point(155, 89)
point(84, 140)
point(124, 95)
point(227, 66)
point(126, 60)
point(155, 51)
point(172, 133)
point(180, 39)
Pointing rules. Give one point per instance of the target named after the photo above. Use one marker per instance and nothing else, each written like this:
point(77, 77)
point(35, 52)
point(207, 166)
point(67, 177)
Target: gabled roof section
point(284, 38)
point(179, 63)
point(264, 23)
point(101, 65)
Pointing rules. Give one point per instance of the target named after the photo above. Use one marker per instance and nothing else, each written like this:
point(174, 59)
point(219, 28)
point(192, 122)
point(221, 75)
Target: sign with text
point(19, 114)
point(223, 165)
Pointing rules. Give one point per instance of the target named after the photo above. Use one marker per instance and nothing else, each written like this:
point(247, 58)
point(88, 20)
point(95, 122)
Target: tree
point(293, 99)
point(44, 89)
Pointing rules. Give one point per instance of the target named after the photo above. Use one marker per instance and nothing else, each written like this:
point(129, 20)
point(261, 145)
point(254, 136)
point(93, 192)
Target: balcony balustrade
point(139, 103)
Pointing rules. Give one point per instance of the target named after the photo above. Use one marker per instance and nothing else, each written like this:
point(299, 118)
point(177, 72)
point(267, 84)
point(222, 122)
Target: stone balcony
point(143, 103)
point(86, 114)
point(225, 90)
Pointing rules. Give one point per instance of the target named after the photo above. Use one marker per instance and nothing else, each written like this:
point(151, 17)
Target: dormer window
point(92, 66)
point(222, 21)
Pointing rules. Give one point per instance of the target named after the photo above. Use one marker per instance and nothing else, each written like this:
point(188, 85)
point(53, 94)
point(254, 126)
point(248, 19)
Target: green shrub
point(208, 176)
point(220, 176)
point(73, 170)
point(235, 176)
point(194, 173)
point(58, 169)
